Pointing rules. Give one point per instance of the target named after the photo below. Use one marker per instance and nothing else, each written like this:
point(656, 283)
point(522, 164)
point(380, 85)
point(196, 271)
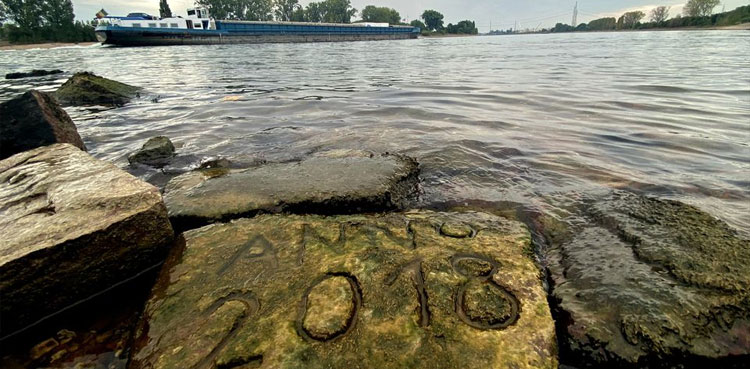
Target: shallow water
point(535, 119)
point(542, 121)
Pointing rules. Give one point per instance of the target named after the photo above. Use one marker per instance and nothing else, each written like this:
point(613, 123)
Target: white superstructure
point(197, 19)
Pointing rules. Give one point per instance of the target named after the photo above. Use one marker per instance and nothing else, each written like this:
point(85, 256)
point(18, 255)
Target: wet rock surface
point(32, 120)
point(72, 226)
point(33, 73)
point(349, 291)
point(156, 152)
point(644, 282)
point(85, 89)
point(340, 185)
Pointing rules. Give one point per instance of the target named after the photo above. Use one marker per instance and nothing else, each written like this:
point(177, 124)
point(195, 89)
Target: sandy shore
point(50, 45)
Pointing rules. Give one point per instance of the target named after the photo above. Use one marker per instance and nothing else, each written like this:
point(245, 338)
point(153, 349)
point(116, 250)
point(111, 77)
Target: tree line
point(432, 21)
point(696, 13)
point(42, 20)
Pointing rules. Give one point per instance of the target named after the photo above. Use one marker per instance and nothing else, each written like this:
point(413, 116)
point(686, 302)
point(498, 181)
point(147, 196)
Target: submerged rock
point(72, 226)
point(32, 120)
point(86, 88)
point(648, 282)
point(385, 291)
point(33, 73)
point(342, 185)
point(156, 152)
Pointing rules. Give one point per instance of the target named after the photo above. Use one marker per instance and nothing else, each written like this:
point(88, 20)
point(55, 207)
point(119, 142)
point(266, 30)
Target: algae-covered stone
point(71, 226)
point(86, 88)
point(385, 291)
point(649, 282)
point(32, 120)
point(338, 185)
point(157, 152)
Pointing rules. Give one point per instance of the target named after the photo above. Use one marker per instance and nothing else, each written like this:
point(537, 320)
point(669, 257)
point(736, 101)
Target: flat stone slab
point(72, 226)
point(389, 291)
point(319, 185)
point(651, 283)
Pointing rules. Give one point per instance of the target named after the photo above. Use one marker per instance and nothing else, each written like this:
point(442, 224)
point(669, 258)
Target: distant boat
point(140, 29)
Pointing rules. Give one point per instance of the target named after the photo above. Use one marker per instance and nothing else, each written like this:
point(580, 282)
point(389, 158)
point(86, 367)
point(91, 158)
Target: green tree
point(338, 11)
point(380, 15)
point(314, 12)
point(630, 20)
point(26, 14)
point(164, 10)
point(603, 24)
point(433, 20)
point(700, 8)
point(285, 9)
point(259, 10)
point(58, 14)
point(465, 27)
point(660, 14)
point(418, 23)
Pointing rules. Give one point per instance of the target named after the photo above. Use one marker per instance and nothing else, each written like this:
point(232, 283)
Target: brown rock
point(32, 120)
point(71, 226)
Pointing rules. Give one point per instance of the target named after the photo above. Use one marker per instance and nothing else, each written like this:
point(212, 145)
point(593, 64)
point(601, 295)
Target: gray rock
point(33, 73)
point(72, 226)
point(32, 120)
point(156, 152)
point(343, 185)
point(645, 282)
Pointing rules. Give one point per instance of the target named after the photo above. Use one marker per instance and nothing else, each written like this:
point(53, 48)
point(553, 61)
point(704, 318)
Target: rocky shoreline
point(327, 261)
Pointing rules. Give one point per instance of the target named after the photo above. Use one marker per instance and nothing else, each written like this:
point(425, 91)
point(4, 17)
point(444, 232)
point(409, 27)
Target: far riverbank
point(47, 45)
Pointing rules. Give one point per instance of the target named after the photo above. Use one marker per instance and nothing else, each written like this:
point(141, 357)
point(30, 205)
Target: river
point(537, 120)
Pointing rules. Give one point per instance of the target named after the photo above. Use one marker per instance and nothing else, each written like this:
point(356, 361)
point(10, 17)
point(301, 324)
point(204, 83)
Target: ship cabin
point(197, 19)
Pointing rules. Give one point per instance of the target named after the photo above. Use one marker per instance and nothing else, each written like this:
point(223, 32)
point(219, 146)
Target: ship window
point(174, 25)
point(136, 25)
point(197, 25)
point(152, 25)
point(191, 12)
point(163, 25)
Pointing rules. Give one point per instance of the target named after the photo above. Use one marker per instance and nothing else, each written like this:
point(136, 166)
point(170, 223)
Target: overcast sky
point(502, 14)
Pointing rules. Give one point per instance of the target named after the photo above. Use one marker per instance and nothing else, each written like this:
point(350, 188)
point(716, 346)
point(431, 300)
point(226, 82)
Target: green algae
point(86, 88)
point(400, 310)
point(639, 281)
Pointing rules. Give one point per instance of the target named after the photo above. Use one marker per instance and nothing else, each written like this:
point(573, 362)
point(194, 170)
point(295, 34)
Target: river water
point(536, 120)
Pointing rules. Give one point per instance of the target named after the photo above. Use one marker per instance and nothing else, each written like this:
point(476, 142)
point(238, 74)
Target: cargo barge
point(199, 29)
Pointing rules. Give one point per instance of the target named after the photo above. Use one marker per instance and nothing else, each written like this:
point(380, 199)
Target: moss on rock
point(86, 88)
point(350, 291)
point(649, 282)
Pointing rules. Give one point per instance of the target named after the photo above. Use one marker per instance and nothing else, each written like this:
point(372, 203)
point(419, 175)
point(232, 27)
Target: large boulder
point(328, 185)
point(71, 226)
point(32, 120)
point(156, 152)
point(33, 73)
point(416, 290)
point(644, 282)
point(86, 88)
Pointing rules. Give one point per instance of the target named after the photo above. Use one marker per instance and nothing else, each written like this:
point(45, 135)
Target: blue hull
point(228, 32)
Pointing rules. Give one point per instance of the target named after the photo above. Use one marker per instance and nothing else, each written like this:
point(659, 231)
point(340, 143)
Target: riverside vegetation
point(698, 14)
point(274, 266)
